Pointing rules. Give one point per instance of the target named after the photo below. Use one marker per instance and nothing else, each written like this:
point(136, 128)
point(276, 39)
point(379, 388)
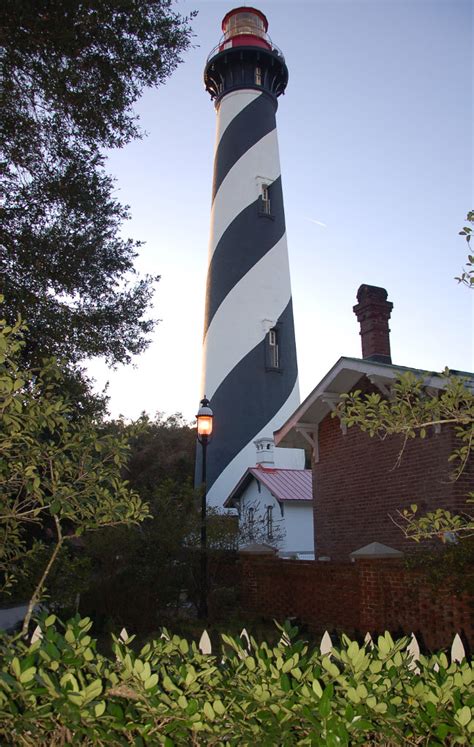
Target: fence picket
point(245, 637)
point(457, 650)
point(123, 635)
point(368, 640)
point(37, 635)
point(205, 646)
point(326, 644)
point(413, 649)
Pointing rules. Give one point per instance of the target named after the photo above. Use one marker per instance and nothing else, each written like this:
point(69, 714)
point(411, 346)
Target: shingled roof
point(283, 484)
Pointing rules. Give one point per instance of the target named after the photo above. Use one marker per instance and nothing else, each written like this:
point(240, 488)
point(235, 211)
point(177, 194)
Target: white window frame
point(266, 203)
point(274, 348)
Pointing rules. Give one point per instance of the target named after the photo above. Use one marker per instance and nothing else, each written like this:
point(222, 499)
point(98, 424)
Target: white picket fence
point(457, 653)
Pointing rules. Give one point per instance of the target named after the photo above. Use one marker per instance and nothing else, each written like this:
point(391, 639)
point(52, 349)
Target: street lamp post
point(204, 430)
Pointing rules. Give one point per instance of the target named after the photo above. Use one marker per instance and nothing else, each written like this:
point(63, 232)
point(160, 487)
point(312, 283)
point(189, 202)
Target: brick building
point(357, 486)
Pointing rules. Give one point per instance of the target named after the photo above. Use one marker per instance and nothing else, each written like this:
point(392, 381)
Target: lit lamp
point(204, 429)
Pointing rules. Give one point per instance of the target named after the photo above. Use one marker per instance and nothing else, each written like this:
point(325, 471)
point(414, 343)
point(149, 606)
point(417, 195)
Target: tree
point(162, 448)
point(411, 411)
point(467, 275)
point(57, 472)
point(72, 72)
point(157, 563)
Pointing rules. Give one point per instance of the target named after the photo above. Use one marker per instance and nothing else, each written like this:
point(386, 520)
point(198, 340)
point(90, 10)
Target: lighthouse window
point(244, 23)
point(273, 349)
point(266, 208)
point(258, 76)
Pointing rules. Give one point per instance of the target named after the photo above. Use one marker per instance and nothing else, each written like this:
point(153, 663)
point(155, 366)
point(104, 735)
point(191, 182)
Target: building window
point(273, 349)
point(266, 205)
point(251, 520)
point(269, 521)
point(258, 76)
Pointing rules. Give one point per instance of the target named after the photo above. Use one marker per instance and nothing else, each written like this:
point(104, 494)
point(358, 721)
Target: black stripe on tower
point(252, 389)
point(255, 121)
point(244, 242)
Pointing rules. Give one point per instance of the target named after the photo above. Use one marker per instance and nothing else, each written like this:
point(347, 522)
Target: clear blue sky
point(375, 135)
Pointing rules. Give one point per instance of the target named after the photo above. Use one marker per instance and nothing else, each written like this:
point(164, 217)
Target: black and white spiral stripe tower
point(249, 364)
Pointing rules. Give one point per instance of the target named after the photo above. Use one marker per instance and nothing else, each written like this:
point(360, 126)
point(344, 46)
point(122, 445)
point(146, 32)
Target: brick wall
point(369, 595)
point(357, 485)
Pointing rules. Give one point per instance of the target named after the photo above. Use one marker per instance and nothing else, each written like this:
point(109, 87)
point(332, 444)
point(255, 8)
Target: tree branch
point(39, 587)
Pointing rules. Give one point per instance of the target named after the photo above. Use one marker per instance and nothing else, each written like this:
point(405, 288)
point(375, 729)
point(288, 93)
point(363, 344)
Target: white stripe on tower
point(235, 104)
point(244, 302)
point(249, 369)
point(241, 186)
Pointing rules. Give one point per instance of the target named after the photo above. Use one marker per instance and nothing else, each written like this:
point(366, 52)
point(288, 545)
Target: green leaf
point(183, 646)
point(250, 663)
point(27, 675)
point(115, 710)
point(285, 683)
point(317, 688)
point(363, 725)
point(15, 664)
point(463, 715)
point(99, 709)
point(151, 681)
point(209, 711)
point(442, 731)
point(324, 706)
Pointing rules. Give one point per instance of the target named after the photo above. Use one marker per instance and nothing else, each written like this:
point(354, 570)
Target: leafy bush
point(60, 690)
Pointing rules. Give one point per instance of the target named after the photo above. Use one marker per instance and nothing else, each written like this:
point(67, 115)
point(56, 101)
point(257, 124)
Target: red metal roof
point(286, 484)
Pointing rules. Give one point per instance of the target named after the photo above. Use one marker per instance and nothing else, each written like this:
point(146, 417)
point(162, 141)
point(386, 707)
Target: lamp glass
point(204, 425)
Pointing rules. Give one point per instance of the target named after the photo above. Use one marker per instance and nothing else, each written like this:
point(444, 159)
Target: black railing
point(217, 49)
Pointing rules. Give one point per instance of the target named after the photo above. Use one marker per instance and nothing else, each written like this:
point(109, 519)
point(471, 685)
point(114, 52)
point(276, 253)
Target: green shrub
point(60, 690)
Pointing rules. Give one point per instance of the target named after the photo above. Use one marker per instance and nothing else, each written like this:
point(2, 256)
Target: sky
point(375, 134)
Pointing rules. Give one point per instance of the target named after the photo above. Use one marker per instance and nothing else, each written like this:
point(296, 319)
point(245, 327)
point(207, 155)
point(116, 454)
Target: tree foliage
point(161, 448)
point(57, 471)
point(156, 564)
point(467, 275)
point(72, 72)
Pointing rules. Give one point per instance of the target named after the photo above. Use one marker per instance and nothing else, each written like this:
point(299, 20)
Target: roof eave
point(340, 378)
point(236, 494)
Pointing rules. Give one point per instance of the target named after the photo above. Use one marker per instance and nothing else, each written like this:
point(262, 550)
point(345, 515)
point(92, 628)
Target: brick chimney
point(373, 312)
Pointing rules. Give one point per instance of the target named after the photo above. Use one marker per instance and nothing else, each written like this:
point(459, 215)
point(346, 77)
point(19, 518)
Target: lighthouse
point(250, 370)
